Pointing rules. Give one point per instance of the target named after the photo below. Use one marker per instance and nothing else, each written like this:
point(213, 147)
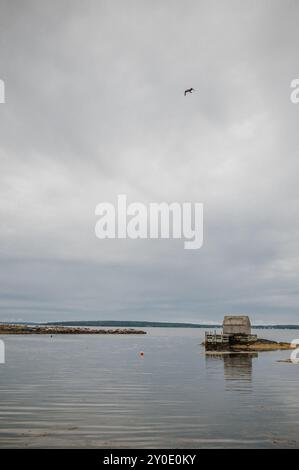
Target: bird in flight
point(189, 90)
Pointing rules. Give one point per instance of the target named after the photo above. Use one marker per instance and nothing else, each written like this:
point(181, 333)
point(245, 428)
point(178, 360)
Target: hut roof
point(242, 320)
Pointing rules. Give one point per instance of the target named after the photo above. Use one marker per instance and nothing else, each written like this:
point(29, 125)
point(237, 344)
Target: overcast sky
point(95, 108)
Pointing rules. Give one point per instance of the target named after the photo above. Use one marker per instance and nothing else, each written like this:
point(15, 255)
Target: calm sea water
point(97, 391)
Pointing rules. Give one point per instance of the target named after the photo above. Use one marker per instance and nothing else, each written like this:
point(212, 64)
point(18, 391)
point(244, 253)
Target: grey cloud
point(95, 108)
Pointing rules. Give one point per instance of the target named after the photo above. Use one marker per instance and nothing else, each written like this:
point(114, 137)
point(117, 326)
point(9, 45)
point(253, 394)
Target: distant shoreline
point(142, 324)
point(149, 324)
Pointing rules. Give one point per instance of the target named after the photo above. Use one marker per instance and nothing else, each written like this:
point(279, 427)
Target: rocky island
point(9, 329)
point(236, 337)
point(261, 345)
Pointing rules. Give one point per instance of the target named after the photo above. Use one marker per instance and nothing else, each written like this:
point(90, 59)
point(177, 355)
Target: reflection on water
point(237, 369)
point(92, 391)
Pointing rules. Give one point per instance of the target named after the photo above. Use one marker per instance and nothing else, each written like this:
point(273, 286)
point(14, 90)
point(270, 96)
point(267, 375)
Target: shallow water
point(97, 391)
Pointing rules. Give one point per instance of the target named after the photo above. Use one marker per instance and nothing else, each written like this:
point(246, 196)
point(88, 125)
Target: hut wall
point(236, 325)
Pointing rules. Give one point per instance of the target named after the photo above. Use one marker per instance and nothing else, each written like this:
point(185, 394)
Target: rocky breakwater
point(64, 330)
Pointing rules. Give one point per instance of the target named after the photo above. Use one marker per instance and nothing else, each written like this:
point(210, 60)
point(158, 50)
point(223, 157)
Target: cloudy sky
point(95, 108)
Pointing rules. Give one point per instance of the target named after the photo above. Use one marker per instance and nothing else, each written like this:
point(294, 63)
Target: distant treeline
point(149, 324)
point(152, 324)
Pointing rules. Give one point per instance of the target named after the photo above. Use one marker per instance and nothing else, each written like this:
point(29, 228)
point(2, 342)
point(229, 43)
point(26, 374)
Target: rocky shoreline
point(263, 345)
point(64, 330)
point(259, 345)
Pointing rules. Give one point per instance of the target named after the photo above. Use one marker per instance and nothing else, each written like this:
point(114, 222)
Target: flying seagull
point(189, 90)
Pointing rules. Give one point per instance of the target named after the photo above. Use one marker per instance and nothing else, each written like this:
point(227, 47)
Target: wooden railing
point(219, 338)
point(216, 338)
